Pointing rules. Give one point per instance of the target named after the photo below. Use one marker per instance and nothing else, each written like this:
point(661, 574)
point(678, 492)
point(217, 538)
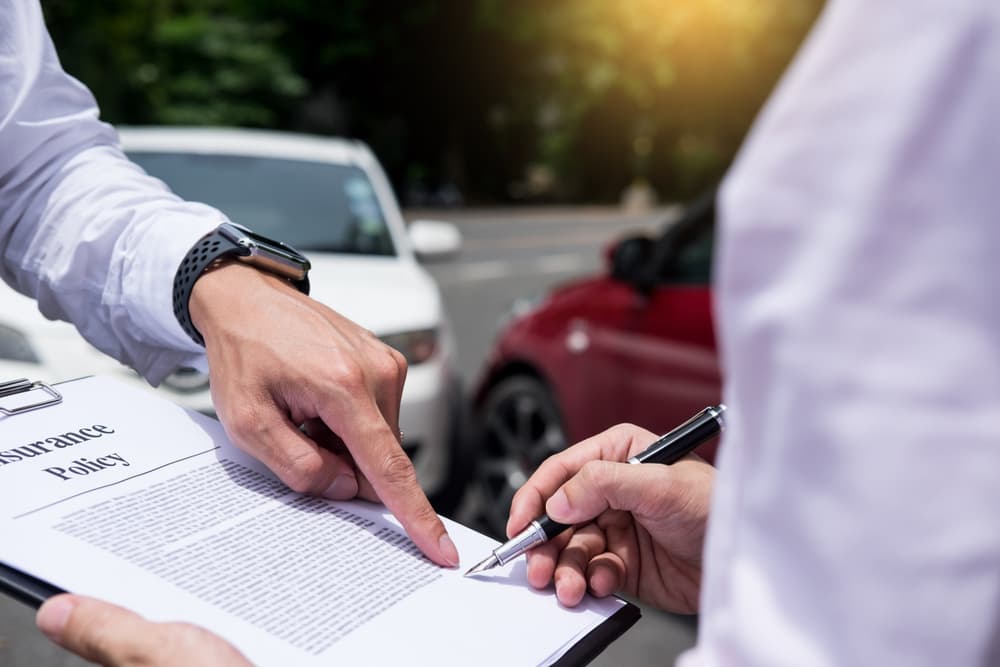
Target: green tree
point(508, 99)
point(194, 62)
point(644, 89)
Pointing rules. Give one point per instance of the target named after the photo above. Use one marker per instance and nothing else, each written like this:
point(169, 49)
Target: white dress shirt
point(83, 230)
point(856, 519)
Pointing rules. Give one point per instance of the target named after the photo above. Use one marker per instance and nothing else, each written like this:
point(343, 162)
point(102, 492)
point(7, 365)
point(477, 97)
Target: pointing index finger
point(380, 457)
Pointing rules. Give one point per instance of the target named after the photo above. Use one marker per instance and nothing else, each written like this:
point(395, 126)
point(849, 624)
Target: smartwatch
point(230, 240)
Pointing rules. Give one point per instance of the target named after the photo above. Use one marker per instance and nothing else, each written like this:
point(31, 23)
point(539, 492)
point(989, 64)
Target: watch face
point(269, 254)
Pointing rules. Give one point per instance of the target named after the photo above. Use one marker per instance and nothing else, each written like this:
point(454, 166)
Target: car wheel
point(519, 426)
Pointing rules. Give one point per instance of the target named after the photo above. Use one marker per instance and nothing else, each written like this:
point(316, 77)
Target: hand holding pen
point(638, 529)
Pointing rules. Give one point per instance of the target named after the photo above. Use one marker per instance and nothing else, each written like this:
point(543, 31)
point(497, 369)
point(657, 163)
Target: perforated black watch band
point(231, 240)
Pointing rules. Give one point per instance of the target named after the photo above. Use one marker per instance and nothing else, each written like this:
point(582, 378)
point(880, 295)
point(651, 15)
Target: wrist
point(231, 242)
point(217, 297)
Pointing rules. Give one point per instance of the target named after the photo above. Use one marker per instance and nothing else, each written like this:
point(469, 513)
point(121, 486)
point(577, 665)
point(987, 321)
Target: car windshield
point(313, 206)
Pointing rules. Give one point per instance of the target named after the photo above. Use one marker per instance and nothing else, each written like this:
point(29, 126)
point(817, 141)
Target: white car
point(330, 199)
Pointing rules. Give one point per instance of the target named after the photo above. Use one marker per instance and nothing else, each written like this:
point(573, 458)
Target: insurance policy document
point(122, 495)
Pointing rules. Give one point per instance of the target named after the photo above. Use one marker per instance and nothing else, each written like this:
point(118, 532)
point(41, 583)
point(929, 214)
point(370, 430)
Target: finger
point(615, 444)
point(97, 631)
point(332, 442)
point(366, 489)
point(605, 574)
point(115, 637)
point(296, 459)
point(388, 381)
point(380, 458)
point(620, 533)
point(384, 368)
point(602, 485)
point(368, 424)
point(542, 559)
point(328, 441)
point(94, 630)
point(571, 572)
point(324, 437)
point(388, 392)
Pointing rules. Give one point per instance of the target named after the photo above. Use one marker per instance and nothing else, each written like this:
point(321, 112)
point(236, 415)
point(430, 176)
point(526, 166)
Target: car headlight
point(15, 346)
point(417, 346)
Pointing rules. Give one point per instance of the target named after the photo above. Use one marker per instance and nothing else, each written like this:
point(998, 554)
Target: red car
point(634, 344)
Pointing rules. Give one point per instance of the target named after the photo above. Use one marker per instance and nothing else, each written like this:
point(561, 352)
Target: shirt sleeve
point(856, 513)
point(83, 230)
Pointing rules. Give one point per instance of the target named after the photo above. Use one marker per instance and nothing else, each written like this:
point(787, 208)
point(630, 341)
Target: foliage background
point(481, 101)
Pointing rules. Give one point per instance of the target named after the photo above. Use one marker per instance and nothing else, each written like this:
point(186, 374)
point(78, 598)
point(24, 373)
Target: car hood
point(384, 294)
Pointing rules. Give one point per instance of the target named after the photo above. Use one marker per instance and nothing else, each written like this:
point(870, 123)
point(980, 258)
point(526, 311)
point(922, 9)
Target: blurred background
point(549, 172)
point(463, 101)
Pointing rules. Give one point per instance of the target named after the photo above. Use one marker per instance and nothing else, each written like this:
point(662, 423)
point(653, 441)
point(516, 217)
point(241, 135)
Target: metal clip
point(24, 386)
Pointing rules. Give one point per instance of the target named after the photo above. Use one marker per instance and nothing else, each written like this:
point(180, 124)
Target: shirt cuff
point(157, 251)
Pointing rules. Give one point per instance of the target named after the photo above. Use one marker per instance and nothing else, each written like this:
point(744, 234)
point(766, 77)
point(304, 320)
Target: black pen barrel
point(551, 528)
point(682, 440)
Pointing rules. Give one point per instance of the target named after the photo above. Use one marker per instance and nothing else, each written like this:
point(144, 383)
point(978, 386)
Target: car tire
point(518, 425)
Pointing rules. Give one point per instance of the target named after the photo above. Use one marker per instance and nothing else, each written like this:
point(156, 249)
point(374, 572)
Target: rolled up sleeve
point(83, 230)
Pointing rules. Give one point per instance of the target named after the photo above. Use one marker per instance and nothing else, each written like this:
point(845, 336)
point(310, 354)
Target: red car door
point(667, 352)
point(666, 348)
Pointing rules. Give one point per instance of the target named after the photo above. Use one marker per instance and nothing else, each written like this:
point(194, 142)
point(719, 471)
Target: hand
point(279, 360)
point(113, 637)
point(638, 529)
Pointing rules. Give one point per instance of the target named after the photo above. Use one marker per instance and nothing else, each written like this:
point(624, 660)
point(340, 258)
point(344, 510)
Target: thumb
point(98, 631)
point(603, 485)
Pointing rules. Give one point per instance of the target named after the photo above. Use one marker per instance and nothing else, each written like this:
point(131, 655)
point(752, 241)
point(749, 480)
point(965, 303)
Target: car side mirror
point(434, 240)
point(629, 257)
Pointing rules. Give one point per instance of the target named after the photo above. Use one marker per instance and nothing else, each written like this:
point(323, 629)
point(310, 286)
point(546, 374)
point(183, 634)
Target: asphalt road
point(507, 254)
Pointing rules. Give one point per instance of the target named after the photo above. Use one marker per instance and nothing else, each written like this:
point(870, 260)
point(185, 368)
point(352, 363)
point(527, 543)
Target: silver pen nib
point(531, 536)
point(487, 564)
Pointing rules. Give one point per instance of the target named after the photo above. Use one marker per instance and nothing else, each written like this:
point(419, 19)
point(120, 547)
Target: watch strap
point(207, 250)
point(211, 247)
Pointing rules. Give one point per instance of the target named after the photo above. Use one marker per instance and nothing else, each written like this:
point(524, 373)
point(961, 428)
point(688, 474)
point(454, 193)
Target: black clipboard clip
point(21, 387)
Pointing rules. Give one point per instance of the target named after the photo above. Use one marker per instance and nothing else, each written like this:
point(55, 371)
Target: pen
point(666, 449)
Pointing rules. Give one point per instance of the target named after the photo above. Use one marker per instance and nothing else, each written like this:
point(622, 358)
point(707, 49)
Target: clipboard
point(15, 399)
point(598, 639)
point(22, 395)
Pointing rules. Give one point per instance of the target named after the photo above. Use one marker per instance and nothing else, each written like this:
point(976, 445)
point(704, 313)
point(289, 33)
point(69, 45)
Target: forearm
point(101, 253)
point(83, 230)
